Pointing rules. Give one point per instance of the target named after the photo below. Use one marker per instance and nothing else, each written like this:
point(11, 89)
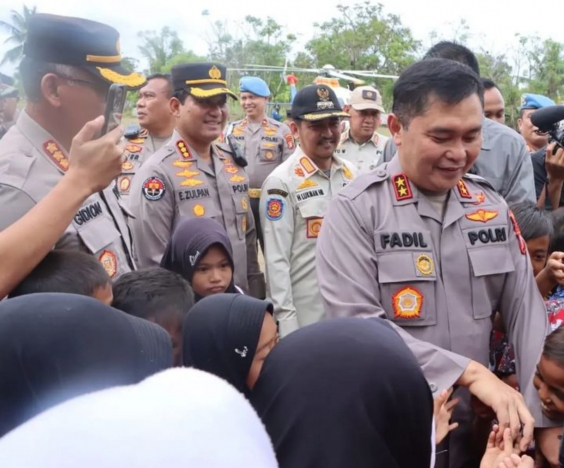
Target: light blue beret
point(255, 85)
point(535, 101)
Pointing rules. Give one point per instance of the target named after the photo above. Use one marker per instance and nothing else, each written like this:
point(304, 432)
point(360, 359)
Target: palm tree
point(17, 28)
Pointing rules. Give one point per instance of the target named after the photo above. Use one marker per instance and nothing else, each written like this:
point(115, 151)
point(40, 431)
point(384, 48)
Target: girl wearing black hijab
point(54, 347)
point(201, 252)
point(229, 335)
point(346, 393)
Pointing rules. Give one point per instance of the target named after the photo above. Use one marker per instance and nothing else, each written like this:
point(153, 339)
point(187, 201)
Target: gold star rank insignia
point(402, 188)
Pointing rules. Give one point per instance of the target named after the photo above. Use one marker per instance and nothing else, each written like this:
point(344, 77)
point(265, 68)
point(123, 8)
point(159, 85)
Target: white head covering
point(180, 418)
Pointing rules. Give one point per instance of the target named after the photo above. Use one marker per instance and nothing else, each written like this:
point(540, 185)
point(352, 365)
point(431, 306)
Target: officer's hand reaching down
point(95, 162)
point(507, 403)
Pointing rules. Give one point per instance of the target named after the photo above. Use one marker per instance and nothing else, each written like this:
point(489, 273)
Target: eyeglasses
point(101, 89)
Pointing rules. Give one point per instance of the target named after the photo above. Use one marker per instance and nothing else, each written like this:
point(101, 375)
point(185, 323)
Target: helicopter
point(327, 75)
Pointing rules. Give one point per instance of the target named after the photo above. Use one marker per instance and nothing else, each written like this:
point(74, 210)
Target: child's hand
point(555, 267)
point(502, 454)
point(443, 412)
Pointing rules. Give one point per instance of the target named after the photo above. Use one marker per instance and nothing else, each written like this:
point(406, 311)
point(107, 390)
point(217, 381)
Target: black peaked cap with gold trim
point(201, 80)
point(316, 102)
point(91, 46)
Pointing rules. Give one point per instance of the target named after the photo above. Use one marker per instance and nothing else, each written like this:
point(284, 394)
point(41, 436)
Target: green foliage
point(17, 30)
point(256, 42)
point(363, 37)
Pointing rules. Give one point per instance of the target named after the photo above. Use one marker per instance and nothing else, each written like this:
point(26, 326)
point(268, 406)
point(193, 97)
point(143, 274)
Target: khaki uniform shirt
point(293, 203)
point(175, 183)
point(31, 164)
point(365, 157)
point(385, 251)
point(265, 147)
point(138, 149)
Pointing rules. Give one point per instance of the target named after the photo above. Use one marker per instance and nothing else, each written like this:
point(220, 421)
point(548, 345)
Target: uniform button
point(381, 173)
point(433, 387)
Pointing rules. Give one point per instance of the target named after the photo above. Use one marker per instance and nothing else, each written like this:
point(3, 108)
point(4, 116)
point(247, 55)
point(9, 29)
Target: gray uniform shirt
point(137, 150)
point(504, 162)
point(294, 199)
point(31, 164)
point(265, 146)
point(175, 183)
point(385, 252)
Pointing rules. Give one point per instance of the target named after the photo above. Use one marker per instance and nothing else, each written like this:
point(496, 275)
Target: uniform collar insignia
point(464, 194)
point(183, 149)
point(402, 187)
point(308, 165)
point(56, 154)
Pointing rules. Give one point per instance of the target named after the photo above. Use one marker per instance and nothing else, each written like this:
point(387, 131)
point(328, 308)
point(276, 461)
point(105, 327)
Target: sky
point(493, 24)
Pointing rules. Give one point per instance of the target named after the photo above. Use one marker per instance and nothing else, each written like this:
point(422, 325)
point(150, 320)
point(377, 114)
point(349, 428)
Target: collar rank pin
point(402, 188)
point(463, 189)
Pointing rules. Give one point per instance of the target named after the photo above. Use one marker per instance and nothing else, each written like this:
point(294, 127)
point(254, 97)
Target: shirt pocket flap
point(494, 260)
point(241, 203)
point(406, 266)
point(198, 208)
point(99, 233)
point(313, 208)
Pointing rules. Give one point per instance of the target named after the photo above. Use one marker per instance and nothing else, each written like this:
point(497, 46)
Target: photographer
point(548, 162)
point(548, 167)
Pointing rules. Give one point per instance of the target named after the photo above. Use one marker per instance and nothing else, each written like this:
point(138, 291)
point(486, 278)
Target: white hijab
point(180, 418)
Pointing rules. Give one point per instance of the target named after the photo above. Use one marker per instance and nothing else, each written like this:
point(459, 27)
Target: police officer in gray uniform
point(68, 66)
point(265, 142)
point(435, 252)
point(155, 116)
point(504, 161)
point(192, 177)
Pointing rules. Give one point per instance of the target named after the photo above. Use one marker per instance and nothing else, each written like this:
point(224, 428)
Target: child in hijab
point(230, 335)
point(346, 393)
point(180, 418)
point(349, 393)
point(54, 347)
point(201, 252)
point(157, 295)
point(68, 271)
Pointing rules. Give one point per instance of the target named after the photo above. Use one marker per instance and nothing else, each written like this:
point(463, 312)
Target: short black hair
point(163, 76)
point(554, 346)
point(453, 51)
point(151, 293)
point(557, 241)
point(64, 271)
point(181, 95)
point(489, 83)
point(447, 80)
point(533, 222)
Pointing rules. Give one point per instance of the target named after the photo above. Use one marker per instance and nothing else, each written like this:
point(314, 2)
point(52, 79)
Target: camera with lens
point(549, 120)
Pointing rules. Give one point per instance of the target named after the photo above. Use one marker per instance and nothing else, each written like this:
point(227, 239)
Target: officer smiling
point(193, 177)
point(470, 260)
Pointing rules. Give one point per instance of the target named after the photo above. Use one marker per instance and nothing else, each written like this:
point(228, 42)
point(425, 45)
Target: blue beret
point(535, 101)
point(255, 85)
